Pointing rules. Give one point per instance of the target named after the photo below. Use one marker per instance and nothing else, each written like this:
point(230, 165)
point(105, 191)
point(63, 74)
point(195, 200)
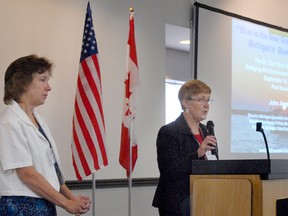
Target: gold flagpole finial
point(131, 9)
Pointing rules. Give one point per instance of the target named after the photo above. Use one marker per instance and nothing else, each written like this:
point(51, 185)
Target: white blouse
point(22, 145)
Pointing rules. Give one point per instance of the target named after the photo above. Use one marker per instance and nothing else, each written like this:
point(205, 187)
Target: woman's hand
point(78, 205)
point(208, 144)
point(87, 203)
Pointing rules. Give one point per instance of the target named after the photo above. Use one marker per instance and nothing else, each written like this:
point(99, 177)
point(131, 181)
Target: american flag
point(89, 136)
point(131, 104)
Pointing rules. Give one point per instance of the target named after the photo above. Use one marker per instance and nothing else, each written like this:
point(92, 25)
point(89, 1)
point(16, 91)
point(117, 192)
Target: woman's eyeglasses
point(202, 101)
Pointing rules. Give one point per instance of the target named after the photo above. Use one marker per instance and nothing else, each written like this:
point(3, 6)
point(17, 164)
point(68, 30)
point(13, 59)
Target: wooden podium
point(238, 187)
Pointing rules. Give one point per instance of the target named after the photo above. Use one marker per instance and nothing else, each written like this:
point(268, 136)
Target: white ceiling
point(174, 34)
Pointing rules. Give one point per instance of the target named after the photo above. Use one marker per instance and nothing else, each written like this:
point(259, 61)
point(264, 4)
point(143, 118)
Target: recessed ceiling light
point(185, 42)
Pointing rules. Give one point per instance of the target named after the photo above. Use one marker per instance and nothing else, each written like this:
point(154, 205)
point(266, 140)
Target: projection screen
point(246, 64)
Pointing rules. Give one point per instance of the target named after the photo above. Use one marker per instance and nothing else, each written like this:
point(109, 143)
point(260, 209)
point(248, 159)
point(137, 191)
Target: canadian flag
point(130, 105)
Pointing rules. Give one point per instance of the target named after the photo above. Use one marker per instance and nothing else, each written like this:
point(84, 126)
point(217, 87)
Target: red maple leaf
point(128, 93)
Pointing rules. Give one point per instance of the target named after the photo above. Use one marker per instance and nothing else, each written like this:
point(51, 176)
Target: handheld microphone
point(260, 129)
point(210, 127)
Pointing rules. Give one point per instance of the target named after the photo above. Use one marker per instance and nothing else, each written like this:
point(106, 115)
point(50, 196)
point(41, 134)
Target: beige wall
point(54, 29)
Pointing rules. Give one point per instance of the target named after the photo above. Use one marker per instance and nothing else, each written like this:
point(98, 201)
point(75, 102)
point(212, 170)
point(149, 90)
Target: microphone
point(210, 127)
point(260, 129)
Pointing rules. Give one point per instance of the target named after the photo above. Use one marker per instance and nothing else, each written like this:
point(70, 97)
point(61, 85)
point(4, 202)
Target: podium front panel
point(221, 197)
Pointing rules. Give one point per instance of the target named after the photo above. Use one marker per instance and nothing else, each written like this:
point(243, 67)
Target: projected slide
point(259, 87)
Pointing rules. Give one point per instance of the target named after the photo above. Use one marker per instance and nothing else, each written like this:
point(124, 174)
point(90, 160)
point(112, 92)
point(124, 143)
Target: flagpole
point(93, 174)
point(93, 194)
point(95, 155)
point(131, 9)
point(130, 170)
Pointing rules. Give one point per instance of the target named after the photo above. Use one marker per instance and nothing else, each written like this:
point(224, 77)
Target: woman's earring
point(187, 110)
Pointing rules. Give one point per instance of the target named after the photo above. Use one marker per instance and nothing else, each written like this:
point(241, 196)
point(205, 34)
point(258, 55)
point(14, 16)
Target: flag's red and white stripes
point(88, 144)
point(131, 104)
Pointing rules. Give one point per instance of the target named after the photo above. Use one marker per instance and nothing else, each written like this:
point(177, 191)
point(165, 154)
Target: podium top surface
point(267, 169)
